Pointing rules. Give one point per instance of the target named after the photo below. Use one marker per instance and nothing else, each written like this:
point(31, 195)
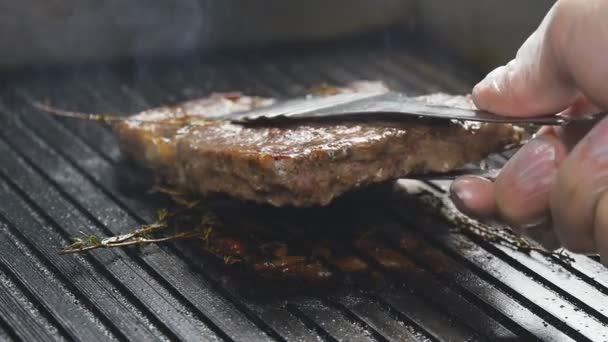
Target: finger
point(572, 132)
point(601, 228)
point(474, 196)
point(523, 185)
point(531, 84)
point(578, 37)
point(581, 106)
point(520, 194)
point(581, 181)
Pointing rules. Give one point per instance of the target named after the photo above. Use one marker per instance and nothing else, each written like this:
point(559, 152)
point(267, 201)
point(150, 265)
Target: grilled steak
point(303, 164)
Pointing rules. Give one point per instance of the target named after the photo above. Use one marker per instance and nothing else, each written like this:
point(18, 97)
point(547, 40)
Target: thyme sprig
point(109, 119)
point(500, 235)
point(144, 235)
point(105, 119)
point(140, 236)
point(204, 229)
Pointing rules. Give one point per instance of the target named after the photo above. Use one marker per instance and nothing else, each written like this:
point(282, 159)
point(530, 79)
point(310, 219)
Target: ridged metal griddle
point(57, 178)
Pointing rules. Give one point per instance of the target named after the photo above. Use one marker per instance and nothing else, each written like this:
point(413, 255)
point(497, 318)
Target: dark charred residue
point(312, 245)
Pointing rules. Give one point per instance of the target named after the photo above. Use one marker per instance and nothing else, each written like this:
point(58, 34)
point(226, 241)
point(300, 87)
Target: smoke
point(34, 32)
point(115, 28)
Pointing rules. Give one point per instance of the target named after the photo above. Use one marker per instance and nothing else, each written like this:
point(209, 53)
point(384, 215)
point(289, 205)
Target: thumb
point(532, 84)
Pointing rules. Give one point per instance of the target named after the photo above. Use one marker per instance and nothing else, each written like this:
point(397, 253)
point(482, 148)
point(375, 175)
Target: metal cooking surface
point(58, 177)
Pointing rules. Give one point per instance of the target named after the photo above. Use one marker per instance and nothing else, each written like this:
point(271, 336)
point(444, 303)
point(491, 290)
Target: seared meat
point(303, 164)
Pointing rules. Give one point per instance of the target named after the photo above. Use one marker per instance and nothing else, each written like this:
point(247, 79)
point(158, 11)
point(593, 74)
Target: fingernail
point(535, 166)
point(460, 189)
point(460, 195)
point(473, 195)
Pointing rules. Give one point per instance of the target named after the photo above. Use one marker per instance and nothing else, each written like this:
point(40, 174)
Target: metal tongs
point(392, 106)
point(384, 105)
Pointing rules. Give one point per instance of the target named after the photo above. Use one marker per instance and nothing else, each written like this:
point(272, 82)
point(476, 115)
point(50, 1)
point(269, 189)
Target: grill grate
point(57, 178)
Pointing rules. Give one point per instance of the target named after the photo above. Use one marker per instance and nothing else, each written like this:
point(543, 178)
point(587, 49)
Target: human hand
point(555, 188)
